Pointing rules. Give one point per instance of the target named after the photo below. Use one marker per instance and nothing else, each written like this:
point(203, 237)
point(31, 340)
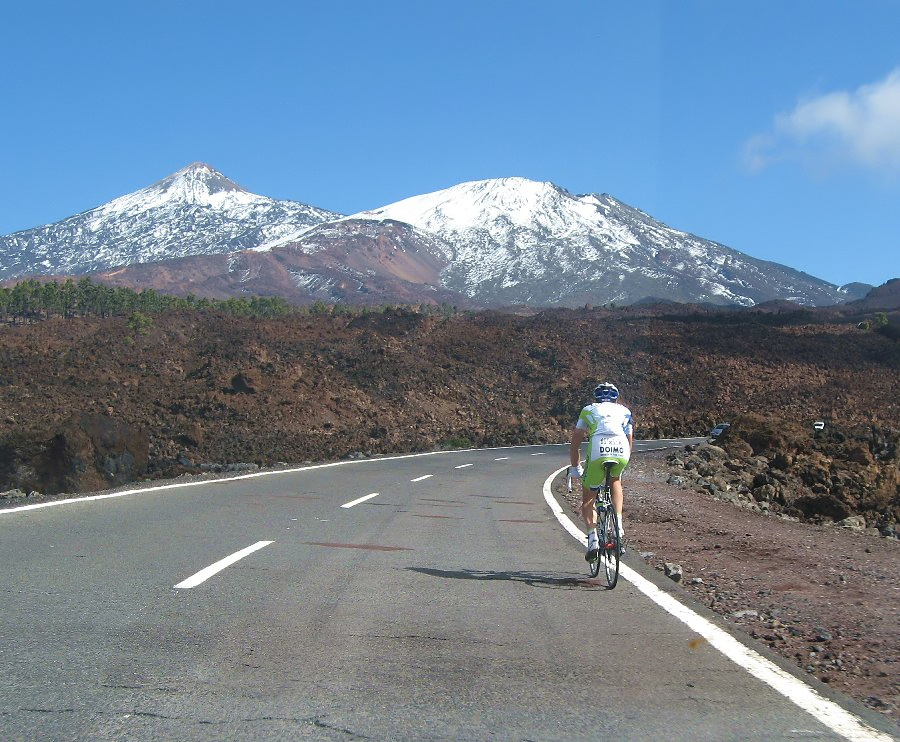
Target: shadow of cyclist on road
point(534, 579)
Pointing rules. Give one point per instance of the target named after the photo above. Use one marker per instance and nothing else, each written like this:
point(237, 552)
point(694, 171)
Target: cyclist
point(609, 428)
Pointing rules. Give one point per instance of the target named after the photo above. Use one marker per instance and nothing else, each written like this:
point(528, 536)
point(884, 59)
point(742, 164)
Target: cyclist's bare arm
point(575, 447)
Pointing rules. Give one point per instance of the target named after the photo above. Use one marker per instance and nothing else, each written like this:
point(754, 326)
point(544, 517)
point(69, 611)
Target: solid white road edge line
point(204, 574)
point(829, 713)
point(293, 470)
point(361, 499)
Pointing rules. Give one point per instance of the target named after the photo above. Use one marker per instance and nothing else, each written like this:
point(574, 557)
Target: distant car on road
point(719, 429)
point(818, 425)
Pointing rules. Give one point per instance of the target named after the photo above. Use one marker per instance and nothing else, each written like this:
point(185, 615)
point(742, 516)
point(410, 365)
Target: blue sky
point(772, 127)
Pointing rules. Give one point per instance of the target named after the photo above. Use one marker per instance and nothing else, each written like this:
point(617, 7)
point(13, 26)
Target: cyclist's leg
point(617, 495)
point(588, 512)
point(589, 515)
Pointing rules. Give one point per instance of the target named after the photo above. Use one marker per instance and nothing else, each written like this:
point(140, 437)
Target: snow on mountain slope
point(497, 204)
point(495, 242)
point(519, 241)
point(196, 211)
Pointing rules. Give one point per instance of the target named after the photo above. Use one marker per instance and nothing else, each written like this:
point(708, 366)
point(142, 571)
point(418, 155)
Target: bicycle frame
point(607, 531)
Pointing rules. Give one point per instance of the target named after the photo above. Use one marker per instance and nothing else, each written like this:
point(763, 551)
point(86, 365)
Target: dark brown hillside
point(207, 390)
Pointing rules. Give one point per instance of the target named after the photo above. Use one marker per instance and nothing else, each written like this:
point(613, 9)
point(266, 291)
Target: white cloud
point(859, 128)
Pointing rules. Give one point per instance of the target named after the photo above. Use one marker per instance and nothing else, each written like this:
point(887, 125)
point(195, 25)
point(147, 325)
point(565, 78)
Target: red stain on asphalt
point(449, 517)
point(371, 547)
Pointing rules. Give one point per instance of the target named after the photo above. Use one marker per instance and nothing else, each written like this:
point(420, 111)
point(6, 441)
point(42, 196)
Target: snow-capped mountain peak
point(196, 185)
point(476, 204)
point(517, 241)
point(195, 211)
point(505, 207)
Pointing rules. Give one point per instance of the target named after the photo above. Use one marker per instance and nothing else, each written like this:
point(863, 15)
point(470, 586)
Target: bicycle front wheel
point(609, 547)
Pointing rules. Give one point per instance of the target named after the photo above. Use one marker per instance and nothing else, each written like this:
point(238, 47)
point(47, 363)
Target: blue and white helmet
point(606, 392)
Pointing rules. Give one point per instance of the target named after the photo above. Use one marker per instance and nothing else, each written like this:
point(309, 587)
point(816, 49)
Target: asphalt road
point(449, 605)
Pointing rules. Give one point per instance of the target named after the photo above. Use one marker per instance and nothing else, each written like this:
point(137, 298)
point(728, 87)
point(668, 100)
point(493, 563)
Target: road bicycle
point(607, 532)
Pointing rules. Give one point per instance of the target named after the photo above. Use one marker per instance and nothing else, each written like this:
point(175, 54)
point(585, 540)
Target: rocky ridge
point(834, 475)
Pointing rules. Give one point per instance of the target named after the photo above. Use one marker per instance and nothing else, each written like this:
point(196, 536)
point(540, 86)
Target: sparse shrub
point(458, 441)
point(139, 323)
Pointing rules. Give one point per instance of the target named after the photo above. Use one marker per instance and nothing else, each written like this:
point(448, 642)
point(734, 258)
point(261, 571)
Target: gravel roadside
point(823, 597)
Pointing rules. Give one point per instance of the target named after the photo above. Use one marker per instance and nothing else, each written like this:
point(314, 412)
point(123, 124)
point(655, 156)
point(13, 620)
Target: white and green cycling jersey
point(608, 425)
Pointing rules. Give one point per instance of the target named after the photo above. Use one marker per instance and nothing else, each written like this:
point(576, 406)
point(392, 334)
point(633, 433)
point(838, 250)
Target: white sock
point(621, 527)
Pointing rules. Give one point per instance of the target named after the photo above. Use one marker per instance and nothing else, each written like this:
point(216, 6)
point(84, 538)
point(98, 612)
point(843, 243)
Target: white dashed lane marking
point(361, 499)
point(419, 479)
point(204, 574)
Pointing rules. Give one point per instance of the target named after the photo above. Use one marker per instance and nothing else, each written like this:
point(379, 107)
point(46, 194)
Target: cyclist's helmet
point(606, 392)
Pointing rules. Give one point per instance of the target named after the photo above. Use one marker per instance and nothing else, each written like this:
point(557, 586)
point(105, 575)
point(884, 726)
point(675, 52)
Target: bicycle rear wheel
point(609, 547)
